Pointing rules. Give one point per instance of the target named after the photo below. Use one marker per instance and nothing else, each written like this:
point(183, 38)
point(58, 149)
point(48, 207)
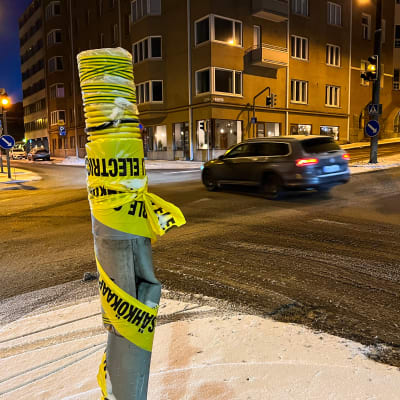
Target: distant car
point(38, 154)
point(18, 153)
point(280, 163)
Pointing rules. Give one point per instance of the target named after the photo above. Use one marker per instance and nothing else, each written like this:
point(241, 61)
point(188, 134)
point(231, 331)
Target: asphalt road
point(328, 262)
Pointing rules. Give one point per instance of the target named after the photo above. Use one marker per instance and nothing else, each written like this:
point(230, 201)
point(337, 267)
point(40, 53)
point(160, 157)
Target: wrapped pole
point(125, 218)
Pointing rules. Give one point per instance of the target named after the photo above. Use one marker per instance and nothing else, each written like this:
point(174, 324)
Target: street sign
point(7, 142)
point(253, 120)
point(372, 128)
point(374, 109)
point(62, 131)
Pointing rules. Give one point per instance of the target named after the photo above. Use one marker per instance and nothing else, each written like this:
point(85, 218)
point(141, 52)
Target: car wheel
point(272, 186)
point(208, 180)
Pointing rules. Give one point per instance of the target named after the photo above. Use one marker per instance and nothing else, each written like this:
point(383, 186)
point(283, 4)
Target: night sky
point(10, 67)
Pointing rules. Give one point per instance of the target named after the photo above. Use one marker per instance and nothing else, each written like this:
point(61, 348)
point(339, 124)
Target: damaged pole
point(125, 218)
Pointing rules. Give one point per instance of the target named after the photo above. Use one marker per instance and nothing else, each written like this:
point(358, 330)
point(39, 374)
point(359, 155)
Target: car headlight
point(201, 167)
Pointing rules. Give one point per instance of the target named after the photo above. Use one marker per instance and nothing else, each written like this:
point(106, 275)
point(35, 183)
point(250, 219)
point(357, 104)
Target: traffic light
point(271, 100)
point(371, 72)
point(274, 99)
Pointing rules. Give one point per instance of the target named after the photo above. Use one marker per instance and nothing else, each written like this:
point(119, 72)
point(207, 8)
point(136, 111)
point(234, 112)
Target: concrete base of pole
point(127, 260)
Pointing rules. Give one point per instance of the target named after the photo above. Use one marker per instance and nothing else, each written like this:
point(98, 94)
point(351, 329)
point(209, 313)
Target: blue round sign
point(372, 128)
point(7, 142)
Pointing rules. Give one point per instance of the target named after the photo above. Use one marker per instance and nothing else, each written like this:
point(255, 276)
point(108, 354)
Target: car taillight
point(302, 162)
point(346, 156)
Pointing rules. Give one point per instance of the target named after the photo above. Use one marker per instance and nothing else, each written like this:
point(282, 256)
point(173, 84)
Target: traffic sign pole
point(8, 164)
point(7, 142)
point(377, 83)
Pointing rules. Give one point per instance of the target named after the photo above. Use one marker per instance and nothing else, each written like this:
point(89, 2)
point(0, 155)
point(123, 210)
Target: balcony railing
point(272, 10)
point(268, 56)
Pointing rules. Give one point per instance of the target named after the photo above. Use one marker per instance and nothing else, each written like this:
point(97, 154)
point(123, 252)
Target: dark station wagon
point(281, 163)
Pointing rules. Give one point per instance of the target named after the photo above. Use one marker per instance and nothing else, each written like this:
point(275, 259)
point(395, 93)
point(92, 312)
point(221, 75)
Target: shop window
point(227, 133)
point(300, 129)
point(180, 134)
point(269, 129)
point(260, 129)
point(396, 124)
point(148, 139)
point(332, 131)
point(203, 136)
point(160, 138)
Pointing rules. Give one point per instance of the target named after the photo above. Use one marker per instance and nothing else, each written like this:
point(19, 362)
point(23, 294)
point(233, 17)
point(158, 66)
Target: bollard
point(125, 218)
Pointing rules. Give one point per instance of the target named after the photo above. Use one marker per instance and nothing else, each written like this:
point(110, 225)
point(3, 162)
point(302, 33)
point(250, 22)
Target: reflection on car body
point(280, 163)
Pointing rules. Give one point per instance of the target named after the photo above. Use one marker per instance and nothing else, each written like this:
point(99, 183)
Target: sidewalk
point(202, 350)
point(19, 176)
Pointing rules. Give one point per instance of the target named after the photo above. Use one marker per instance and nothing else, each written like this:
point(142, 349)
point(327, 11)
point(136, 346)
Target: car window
point(242, 150)
point(272, 149)
point(319, 145)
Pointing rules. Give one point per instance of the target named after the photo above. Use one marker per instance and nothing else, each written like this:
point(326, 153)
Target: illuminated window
point(218, 29)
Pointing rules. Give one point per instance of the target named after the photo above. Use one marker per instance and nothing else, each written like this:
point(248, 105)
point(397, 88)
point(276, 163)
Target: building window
point(149, 92)
point(57, 91)
point(366, 26)
point(396, 123)
point(332, 96)
point(300, 129)
point(54, 37)
point(300, 7)
point(299, 91)
point(203, 81)
point(333, 55)
point(54, 141)
point(203, 134)
point(160, 138)
point(53, 9)
point(363, 68)
point(148, 139)
point(227, 133)
point(223, 30)
point(332, 131)
point(202, 30)
point(56, 64)
point(334, 14)
point(268, 129)
point(57, 117)
point(180, 135)
point(72, 142)
point(299, 47)
point(148, 48)
point(142, 8)
point(227, 81)
point(397, 36)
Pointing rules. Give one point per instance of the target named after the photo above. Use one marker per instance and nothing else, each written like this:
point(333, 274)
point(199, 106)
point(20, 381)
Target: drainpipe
point(73, 79)
point(349, 85)
point(287, 73)
point(189, 50)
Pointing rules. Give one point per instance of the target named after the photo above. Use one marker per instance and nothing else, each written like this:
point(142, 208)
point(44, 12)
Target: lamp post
point(377, 83)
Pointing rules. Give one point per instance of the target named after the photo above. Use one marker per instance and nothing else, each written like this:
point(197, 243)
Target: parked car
point(18, 153)
point(280, 163)
point(38, 153)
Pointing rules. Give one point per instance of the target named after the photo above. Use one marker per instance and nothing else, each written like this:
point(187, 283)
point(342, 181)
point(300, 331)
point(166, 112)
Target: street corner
point(19, 177)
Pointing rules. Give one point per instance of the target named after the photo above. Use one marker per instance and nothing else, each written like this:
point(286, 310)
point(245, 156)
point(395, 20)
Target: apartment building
point(199, 66)
point(32, 54)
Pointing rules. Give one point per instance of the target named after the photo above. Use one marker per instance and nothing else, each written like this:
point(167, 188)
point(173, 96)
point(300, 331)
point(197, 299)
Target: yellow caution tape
point(131, 318)
point(117, 185)
point(102, 377)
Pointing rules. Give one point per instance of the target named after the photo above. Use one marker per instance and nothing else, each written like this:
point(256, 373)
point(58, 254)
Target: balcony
point(268, 56)
point(272, 10)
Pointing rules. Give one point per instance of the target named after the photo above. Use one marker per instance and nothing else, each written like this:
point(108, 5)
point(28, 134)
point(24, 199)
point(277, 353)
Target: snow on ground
point(210, 353)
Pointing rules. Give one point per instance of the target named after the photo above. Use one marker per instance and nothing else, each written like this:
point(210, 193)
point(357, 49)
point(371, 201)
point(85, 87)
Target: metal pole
point(1, 151)
point(189, 66)
point(7, 151)
point(377, 84)
point(254, 105)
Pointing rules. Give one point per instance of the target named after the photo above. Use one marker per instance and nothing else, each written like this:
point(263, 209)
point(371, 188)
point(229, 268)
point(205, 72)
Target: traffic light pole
point(377, 83)
point(254, 107)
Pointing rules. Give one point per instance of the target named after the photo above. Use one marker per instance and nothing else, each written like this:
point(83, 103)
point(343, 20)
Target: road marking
point(326, 221)
point(200, 200)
